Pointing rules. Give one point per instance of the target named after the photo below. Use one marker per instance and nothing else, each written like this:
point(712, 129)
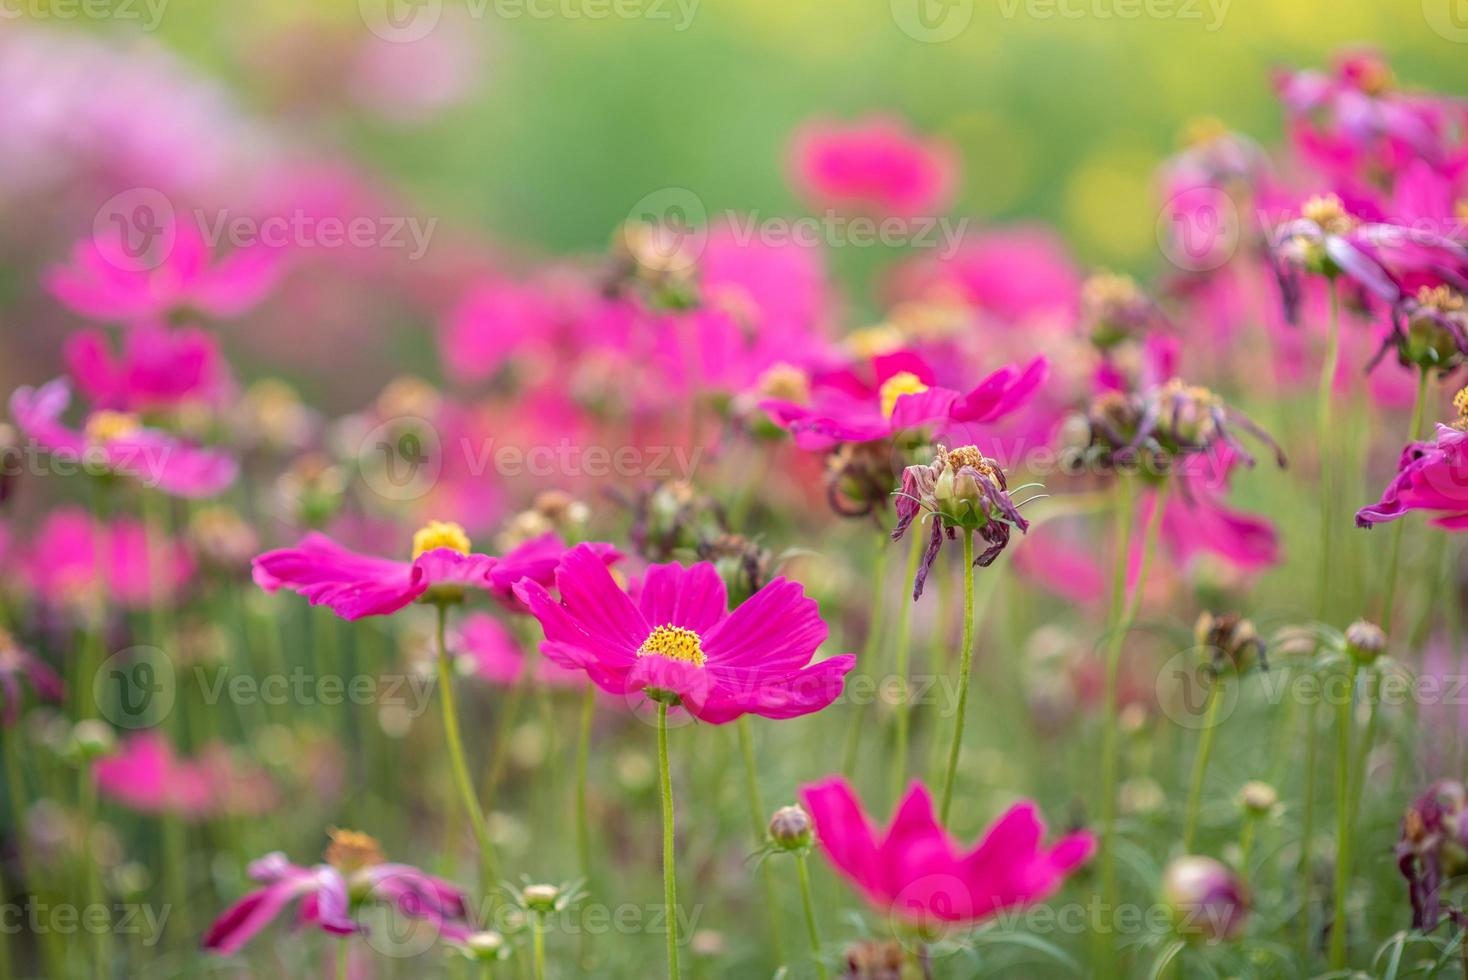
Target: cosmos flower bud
point(486, 946)
point(790, 828)
point(90, 740)
point(1206, 899)
point(222, 538)
point(1365, 641)
point(1231, 641)
point(1115, 309)
point(312, 490)
point(1258, 798)
point(540, 898)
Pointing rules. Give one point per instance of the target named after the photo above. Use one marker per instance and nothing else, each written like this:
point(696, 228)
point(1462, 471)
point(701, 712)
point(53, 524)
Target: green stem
point(965, 668)
point(670, 880)
point(1123, 612)
point(1323, 441)
point(101, 938)
point(1389, 592)
point(904, 647)
point(583, 815)
point(1344, 712)
point(537, 927)
point(487, 871)
point(803, 873)
point(1363, 752)
point(1246, 846)
point(1307, 826)
point(1200, 764)
point(757, 825)
point(869, 651)
point(341, 959)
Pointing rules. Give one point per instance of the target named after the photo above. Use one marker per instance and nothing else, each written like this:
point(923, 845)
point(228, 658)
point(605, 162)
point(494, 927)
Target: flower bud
point(1258, 799)
point(1230, 640)
point(1365, 642)
point(790, 828)
point(486, 947)
point(540, 898)
point(1206, 899)
point(90, 740)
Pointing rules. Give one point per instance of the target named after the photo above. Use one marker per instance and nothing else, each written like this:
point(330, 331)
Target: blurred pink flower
point(61, 562)
point(1013, 274)
point(117, 442)
point(156, 368)
point(1431, 476)
point(917, 873)
point(355, 871)
point(144, 774)
point(498, 658)
point(679, 641)
point(16, 663)
point(174, 274)
point(1197, 522)
point(876, 165)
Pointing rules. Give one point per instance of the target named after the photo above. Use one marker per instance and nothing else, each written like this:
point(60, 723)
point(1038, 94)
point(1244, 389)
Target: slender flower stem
point(1123, 612)
point(341, 959)
point(537, 929)
point(1323, 446)
point(869, 650)
point(101, 938)
point(757, 825)
point(1363, 752)
point(965, 668)
point(803, 873)
point(1307, 825)
point(1343, 818)
point(1200, 764)
point(670, 878)
point(488, 873)
point(1246, 846)
point(1389, 591)
point(904, 647)
point(583, 815)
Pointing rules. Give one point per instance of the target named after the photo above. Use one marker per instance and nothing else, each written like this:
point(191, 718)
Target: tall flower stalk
point(670, 874)
point(757, 816)
point(488, 872)
point(965, 668)
point(1389, 591)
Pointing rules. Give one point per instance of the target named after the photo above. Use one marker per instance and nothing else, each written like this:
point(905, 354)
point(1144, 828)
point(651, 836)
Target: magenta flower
point(156, 368)
point(496, 656)
point(144, 774)
point(73, 560)
point(176, 275)
point(355, 874)
point(354, 585)
point(877, 165)
point(917, 873)
point(16, 663)
point(536, 560)
point(118, 442)
point(677, 640)
point(1015, 274)
point(1431, 476)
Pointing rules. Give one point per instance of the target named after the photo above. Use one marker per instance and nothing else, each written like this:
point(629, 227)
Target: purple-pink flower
point(155, 368)
point(1431, 476)
point(677, 639)
point(16, 662)
point(73, 560)
point(118, 442)
point(877, 165)
point(145, 774)
point(497, 657)
point(916, 872)
point(354, 874)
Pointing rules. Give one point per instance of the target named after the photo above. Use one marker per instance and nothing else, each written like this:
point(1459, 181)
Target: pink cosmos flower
point(677, 639)
point(917, 872)
point(876, 165)
point(844, 407)
point(157, 368)
point(16, 662)
point(1197, 522)
point(1431, 476)
point(497, 657)
point(1014, 274)
point(62, 563)
point(354, 585)
point(176, 274)
point(117, 442)
point(536, 560)
point(354, 873)
point(145, 775)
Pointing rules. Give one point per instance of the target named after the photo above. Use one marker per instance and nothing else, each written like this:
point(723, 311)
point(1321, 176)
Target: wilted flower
point(1429, 330)
point(15, 663)
point(961, 489)
point(1431, 476)
point(1207, 900)
point(1231, 641)
point(1114, 309)
point(355, 873)
point(1433, 848)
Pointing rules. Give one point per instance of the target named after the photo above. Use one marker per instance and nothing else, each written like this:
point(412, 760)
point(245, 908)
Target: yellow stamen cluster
point(1440, 298)
point(440, 534)
point(1203, 131)
point(874, 341)
point(104, 426)
point(901, 383)
point(351, 851)
point(408, 397)
point(1376, 77)
point(1327, 211)
point(785, 382)
point(967, 456)
point(1460, 402)
point(675, 643)
point(1106, 293)
point(1460, 210)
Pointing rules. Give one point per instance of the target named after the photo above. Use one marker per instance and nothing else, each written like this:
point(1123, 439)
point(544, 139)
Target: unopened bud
point(790, 828)
point(1365, 641)
point(91, 739)
point(1206, 899)
point(540, 898)
point(1258, 798)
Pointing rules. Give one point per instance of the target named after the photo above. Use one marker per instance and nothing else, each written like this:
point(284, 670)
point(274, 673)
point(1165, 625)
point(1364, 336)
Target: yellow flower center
point(1460, 402)
point(1460, 210)
point(1327, 211)
point(1107, 291)
point(104, 426)
point(901, 383)
point(785, 382)
point(352, 851)
point(1440, 298)
point(1203, 131)
point(440, 534)
point(408, 397)
point(675, 643)
point(874, 341)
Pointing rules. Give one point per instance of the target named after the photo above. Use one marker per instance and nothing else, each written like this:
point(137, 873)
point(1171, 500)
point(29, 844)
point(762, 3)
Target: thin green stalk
point(487, 870)
point(757, 825)
point(904, 647)
point(583, 815)
point(537, 928)
point(341, 959)
point(803, 873)
point(868, 652)
point(670, 879)
point(1246, 846)
point(1307, 825)
point(500, 758)
point(1389, 591)
point(965, 668)
point(1344, 712)
point(1363, 752)
point(1323, 444)
point(101, 938)
point(1200, 764)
